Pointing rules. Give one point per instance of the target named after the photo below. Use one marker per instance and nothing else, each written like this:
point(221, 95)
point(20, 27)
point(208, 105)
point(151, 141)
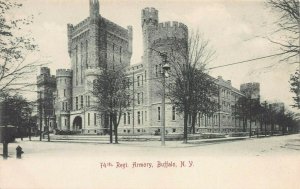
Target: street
point(271, 162)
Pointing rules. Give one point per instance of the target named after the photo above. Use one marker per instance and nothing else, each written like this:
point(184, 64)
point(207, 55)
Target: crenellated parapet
point(64, 73)
point(251, 90)
point(169, 31)
point(45, 78)
point(45, 71)
point(149, 16)
point(172, 25)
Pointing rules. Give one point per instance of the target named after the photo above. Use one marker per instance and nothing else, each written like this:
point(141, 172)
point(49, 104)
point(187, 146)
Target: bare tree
point(295, 88)
point(111, 90)
point(288, 24)
point(15, 46)
point(190, 90)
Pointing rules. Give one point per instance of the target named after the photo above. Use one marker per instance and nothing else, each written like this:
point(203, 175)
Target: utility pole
point(133, 99)
point(163, 120)
point(40, 113)
point(165, 68)
point(266, 111)
point(219, 113)
point(250, 117)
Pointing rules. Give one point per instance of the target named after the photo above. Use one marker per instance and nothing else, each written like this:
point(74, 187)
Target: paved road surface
point(272, 162)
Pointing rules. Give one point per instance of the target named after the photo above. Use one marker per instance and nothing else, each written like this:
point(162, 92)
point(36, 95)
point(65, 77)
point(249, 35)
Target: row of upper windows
point(81, 98)
point(214, 120)
point(173, 113)
point(139, 81)
point(140, 117)
point(64, 106)
point(225, 93)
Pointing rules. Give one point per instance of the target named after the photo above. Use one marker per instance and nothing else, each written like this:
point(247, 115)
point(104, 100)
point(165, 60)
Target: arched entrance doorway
point(77, 123)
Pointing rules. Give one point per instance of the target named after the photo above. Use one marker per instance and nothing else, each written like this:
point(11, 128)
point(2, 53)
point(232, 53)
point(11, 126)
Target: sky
point(235, 29)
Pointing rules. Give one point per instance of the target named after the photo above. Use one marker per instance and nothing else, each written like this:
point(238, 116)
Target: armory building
point(96, 42)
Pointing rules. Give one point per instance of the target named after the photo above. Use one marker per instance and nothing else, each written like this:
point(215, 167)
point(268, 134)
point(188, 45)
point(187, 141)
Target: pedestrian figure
point(19, 152)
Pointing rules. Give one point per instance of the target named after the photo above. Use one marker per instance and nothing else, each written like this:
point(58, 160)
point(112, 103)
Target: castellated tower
point(93, 44)
point(162, 37)
point(251, 90)
point(46, 86)
point(94, 34)
point(63, 103)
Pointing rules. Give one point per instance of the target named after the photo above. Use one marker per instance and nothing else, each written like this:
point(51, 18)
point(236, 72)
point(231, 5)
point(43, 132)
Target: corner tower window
point(158, 113)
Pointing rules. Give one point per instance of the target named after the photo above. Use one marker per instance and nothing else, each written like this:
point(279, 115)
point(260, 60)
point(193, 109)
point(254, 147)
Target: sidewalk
point(144, 140)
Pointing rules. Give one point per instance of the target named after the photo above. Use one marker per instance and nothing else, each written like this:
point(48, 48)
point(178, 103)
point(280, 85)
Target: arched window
point(86, 53)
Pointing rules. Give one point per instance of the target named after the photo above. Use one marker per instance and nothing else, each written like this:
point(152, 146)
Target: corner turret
point(149, 17)
point(94, 9)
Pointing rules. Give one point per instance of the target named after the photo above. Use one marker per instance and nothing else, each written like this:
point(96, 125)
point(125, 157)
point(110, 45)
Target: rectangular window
point(65, 122)
point(113, 52)
point(64, 92)
point(158, 113)
point(95, 119)
point(87, 54)
point(124, 118)
point(156, 70)
point(76, 62)
point(138, 81)
point(120, 54)
point(88, 119)
point(81, 101)
point(66, 106)
point(142, 117)
point(128, 84)
point(128, 98)
point(63, 106)
point(88, 101)
point(81, 63)
point(128, 118)
point(173, 113)
point(138, 98)
point(142, 80)
point(139, 117)
point(145, 115)
point(76, 103)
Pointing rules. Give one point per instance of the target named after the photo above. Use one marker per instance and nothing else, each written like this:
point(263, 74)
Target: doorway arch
point(77, 123)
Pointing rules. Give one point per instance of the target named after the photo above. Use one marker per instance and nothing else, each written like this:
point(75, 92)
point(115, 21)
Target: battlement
point(45, 71)
point(169, 31)
point(172, 25)
point(251, 90)
point(149, 11)
point(64, 73)
point(149, 14)
point(81, 24)
point(253, 85)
